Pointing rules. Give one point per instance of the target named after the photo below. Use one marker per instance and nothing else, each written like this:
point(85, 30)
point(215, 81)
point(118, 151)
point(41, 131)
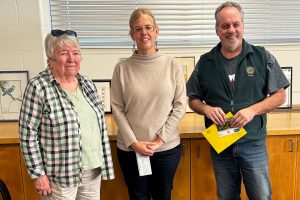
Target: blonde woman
point(148, 100)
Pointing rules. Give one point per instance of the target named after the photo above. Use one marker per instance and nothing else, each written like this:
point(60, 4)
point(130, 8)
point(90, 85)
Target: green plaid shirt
point(49, 131)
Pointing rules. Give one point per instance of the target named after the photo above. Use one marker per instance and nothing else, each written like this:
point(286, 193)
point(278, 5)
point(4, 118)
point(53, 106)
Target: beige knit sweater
point(148, 98)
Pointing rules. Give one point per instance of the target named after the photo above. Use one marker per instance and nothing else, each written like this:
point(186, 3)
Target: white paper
point(144, 164)
point(228, 131)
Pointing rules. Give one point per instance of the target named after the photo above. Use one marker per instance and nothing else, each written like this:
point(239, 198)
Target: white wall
point(21, 35)
point(25, 23)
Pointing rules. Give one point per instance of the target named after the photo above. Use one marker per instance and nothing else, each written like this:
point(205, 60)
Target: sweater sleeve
point(118, 107)
point(179, 104)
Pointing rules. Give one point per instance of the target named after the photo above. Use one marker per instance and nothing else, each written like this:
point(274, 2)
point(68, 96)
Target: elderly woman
point(62, 128)
point(148, 100)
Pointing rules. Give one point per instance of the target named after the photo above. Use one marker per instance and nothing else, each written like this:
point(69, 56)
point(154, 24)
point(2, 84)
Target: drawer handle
point(292, 146)
point(182, 149)
point(198, 150)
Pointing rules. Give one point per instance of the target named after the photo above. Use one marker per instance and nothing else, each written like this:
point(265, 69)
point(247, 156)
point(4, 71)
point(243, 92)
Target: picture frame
point(12, 87)
point(188, 65)
point(103, 87)
point(288, 72)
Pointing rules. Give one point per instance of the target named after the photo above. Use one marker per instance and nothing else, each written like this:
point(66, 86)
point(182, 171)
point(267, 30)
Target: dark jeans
point(243, 161)
point(157, 186)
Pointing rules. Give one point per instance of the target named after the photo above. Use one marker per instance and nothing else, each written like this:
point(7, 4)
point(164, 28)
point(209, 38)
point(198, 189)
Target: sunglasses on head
point(58, 32)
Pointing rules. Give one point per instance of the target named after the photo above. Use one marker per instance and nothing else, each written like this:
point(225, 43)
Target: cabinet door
point(116, 188)
point(30, 192)
point(297, 172)
point(243, 193)
point(282, 159)
point(203, 184)
point(10, 170)
point(181, 184)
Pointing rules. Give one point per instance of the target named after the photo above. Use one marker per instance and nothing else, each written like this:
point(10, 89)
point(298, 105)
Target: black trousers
point(157, 186)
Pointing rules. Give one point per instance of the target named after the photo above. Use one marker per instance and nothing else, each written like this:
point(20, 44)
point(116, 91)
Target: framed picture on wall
point(288, 72)
point(12, 87)
point(188, 65)
point(103, 88)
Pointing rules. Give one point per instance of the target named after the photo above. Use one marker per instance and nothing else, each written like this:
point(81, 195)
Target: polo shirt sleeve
point(276, 77)
point(193, 87)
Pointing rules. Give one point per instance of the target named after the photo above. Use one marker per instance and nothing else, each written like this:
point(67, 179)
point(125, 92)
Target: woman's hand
point(42, 185)
point(156, 144)
point(142, 148)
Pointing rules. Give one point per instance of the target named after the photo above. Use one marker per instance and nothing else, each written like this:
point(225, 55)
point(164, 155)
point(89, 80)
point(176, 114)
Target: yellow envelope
point(221, 137)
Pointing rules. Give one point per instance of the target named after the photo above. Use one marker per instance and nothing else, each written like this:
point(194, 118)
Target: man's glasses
point(139, 29)
point(58, 32)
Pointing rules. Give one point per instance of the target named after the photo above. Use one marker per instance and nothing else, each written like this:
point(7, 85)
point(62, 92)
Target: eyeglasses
point(58, 32)
point(139, 29)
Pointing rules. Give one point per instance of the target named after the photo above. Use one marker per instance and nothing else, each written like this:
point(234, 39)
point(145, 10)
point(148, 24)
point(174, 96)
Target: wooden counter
point(194, 177)
point(191, 126)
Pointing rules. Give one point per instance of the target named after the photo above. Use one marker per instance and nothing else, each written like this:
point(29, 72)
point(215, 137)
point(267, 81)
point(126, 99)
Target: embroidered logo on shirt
point(250, 70)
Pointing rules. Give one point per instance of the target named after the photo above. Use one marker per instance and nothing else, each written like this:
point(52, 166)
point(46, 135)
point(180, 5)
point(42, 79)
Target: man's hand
point(215, 114)
point(242, 117)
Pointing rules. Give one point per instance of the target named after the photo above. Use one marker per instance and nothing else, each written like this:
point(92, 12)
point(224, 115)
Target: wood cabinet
point(194, 177)
point(284, 169)
point(297, 171)
point(30, 192)
point(10, 170)
point(116, 188)
point(284, 161)
point(203, 184)
point(182, 183)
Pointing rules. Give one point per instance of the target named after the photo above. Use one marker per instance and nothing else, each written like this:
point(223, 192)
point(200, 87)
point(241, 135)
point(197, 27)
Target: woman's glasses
point(58, 32)
point(139, 29)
